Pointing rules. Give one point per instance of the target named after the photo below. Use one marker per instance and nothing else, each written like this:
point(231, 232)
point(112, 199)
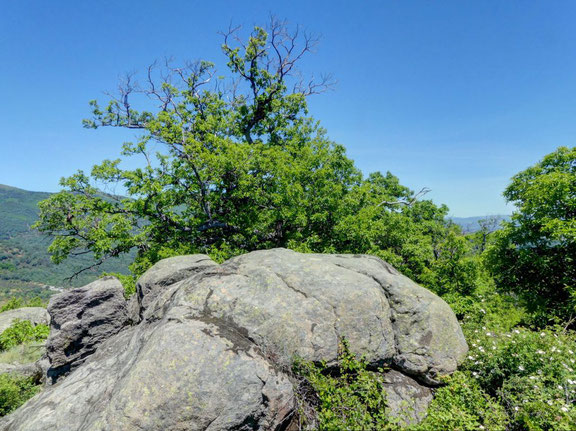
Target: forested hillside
point(25, 265)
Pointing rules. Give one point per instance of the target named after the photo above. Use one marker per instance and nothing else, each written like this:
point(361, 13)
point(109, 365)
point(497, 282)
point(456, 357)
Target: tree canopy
point(233, 163)
point(534, 255)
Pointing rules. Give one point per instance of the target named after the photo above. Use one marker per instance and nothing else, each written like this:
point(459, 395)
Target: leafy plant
point(15, 391)
point(534, 255)
point(17, 302)
point(232, 165)
point(349, 396)
point(22, 331)
point(462, 405)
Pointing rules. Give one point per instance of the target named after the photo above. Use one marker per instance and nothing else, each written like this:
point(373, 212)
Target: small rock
point(407, 399)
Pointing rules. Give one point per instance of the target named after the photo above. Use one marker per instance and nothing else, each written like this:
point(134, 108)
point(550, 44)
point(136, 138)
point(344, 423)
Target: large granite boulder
point(36, 315)
point(81, 319)
point(213, 349)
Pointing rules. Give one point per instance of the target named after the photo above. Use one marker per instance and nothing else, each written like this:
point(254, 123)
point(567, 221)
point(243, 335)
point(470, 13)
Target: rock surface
point(81, 319)
point(213, 344)
point(36, 315)
point(407, 399)
point(165, 273)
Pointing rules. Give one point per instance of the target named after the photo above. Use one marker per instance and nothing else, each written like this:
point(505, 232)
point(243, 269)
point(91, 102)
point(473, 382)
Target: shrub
point(14, 303)
point(22, 331)
point(15, 391)
point(530, 373)
point(349, 396)
point(463, 405)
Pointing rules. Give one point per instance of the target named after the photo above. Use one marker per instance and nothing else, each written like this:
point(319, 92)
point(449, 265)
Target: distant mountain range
point(25, 265)
point(471, 224)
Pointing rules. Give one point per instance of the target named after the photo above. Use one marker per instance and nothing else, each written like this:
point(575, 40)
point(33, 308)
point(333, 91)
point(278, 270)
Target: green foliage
point(25, 265)
point(349, 396)
point(534, 255)
point(15, 391)
point(22, 331)
point(17, 302)
point(128, 282)
point(455, 268)
point(530, 373)
point(227, 172)
point(462, 405)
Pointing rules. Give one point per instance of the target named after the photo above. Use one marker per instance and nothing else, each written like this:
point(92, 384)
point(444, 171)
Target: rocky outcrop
point(81, 319)
point(36, 315)
point(163, 274)
point(213, 346)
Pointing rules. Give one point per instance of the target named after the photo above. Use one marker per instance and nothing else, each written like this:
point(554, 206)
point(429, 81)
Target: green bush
point(530, 373)
point(15, 391)
point(349, 397)
point(15, 302)
point(463, 405)
point(128, 282)
point(22, 331)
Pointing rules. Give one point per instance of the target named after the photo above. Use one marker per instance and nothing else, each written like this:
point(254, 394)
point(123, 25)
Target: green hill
point(25, 266)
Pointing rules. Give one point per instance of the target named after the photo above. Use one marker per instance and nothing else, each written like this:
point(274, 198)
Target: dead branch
point(406, 202)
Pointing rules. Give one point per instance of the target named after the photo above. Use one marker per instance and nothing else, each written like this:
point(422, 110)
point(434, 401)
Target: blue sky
point(455, 95)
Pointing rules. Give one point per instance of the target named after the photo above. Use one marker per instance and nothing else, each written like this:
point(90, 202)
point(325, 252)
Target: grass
point(22, 354)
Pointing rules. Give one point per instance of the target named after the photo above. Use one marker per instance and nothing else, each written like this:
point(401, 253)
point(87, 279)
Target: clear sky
point(454, 95)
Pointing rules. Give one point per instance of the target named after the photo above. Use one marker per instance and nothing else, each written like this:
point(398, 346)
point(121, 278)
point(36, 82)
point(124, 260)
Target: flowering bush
point(530, 373)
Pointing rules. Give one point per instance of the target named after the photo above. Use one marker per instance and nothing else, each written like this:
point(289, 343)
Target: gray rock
point(33, 369)
point(81, 319)
point(173, 376)
point(429, 340)
point(302, 305)
point(212, 347)
point(36, 315)
point(163, 274)
point(407, 399)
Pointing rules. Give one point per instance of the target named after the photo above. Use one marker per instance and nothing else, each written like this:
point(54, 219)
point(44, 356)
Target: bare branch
point(406, 202)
